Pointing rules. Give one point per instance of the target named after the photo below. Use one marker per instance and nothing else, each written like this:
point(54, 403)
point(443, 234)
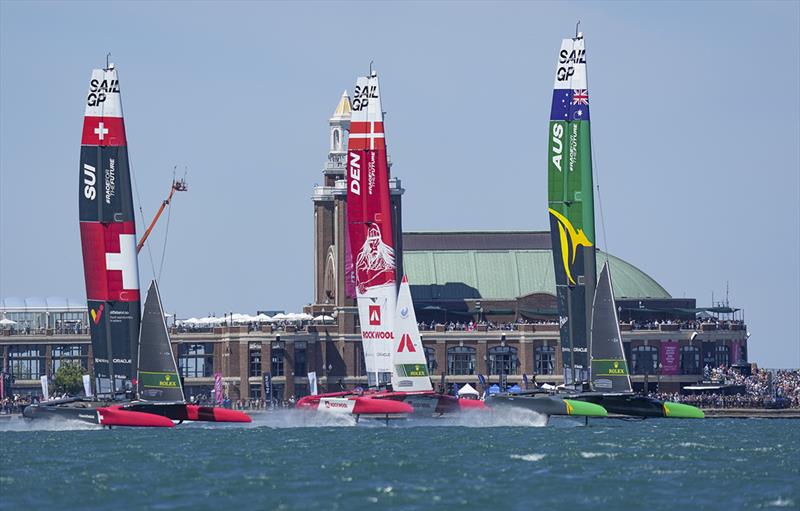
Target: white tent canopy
point(323, 318)
point(5, 321)
point(467, 390)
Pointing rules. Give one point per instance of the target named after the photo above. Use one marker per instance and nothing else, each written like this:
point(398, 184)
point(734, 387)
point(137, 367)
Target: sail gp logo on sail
point(363, 95)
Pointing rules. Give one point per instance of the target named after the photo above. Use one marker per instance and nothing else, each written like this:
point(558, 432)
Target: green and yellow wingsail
point(571, 206)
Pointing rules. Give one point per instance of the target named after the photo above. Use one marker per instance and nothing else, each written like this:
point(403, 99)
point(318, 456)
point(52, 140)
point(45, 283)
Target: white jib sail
point(410, 368)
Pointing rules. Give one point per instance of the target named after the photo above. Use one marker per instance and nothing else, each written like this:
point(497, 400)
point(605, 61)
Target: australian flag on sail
point(570, 105)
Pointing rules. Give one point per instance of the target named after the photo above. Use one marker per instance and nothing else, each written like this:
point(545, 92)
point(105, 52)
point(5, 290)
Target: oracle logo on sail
point(89, 180)
point(355, 173)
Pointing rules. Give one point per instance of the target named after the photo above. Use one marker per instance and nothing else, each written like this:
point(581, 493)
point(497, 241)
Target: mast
point(370, 237)
point(571, 206)
point(108, 236)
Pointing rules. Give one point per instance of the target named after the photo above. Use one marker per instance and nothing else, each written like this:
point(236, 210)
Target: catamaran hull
point(358, 406)
point(547, 405)
point(134, 414)
point(641, 406)
point(103, 414)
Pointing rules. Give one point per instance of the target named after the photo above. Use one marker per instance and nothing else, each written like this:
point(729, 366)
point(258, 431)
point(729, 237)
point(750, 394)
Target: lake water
point(296, 460)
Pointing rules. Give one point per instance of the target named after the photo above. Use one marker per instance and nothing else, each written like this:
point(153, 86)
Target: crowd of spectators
point(696, 324)
point(14, 404)
point(469, 326)
point(763, 389)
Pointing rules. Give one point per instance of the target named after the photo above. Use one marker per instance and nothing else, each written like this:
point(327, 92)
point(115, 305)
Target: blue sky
point(695, 120)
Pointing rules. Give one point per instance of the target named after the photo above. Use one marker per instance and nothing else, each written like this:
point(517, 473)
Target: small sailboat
point(136, 379)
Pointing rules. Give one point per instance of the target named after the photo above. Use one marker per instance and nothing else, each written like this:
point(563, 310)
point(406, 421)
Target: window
point(690, 360)
point(196, 360)
point(545, 360)
point(70, 354)
point(300, 359)
point(26, 362)
point(723, 356)
point(503, 360)
point(461, 360)
point(255, 360)
point(430, 357)
point(276, 362)
point(645, 359)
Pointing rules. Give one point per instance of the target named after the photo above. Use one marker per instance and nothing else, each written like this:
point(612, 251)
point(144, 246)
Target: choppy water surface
point(293, 460)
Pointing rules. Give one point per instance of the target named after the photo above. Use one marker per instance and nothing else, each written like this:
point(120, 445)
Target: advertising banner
point(670, 357)
point(218, 388)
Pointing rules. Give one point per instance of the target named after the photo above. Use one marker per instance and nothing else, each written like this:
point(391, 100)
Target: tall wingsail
point(410, 366)
point(158, 378)
point(609, 370)
point(369, 220)
point(108, 236)
point(571, 206)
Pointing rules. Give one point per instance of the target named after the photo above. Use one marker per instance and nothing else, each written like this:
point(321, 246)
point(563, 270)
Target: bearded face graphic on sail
point(375, 262)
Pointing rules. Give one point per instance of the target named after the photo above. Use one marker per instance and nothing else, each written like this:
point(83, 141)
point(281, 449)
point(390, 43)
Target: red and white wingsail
point(410, 366)
point(369, 218)
point(108, 235)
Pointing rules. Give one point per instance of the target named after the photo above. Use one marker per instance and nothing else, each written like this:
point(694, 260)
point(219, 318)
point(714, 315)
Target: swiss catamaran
point(594, 362)
point(136, 378)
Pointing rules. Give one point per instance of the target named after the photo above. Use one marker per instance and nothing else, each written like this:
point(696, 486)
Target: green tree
point(69, 378)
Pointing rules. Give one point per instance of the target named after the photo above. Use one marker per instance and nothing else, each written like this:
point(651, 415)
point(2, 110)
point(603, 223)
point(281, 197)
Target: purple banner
point(218, 388)
point(736, 352)
point(670, 357)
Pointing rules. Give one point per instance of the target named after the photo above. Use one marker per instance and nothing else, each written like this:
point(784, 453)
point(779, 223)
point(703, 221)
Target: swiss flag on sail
point(109, 261)
point(104, 131)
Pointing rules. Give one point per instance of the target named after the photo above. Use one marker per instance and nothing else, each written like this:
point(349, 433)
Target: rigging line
point(166, 234)
point(596, 172)
point(141, 211)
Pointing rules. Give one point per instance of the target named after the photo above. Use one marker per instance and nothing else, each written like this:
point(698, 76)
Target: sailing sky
point(695, 120)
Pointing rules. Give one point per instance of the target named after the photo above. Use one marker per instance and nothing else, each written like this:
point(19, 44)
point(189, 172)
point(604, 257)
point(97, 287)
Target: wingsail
point(369, 219)
point(571, 206)
point(108, 236)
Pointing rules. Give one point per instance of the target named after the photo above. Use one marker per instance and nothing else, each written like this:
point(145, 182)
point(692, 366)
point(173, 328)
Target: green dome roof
point(507, 274)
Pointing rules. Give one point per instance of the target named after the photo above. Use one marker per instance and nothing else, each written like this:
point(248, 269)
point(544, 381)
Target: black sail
point(609, 370)
point(158, 374)
point(108, 237)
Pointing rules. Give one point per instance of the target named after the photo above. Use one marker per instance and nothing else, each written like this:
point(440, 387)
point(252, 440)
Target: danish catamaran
point(136, 379)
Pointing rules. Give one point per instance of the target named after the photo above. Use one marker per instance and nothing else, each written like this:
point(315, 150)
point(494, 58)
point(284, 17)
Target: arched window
point(461, 360)
point(645, 359)
point(337, 140)
point(430, 357)
point(277, 361)
point(545, 360)
point(723, 355)
point(690, 360)
point(503, 360)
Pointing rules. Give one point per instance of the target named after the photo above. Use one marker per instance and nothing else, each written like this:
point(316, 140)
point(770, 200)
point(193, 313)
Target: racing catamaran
point(136, 379)
point(591, 343)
